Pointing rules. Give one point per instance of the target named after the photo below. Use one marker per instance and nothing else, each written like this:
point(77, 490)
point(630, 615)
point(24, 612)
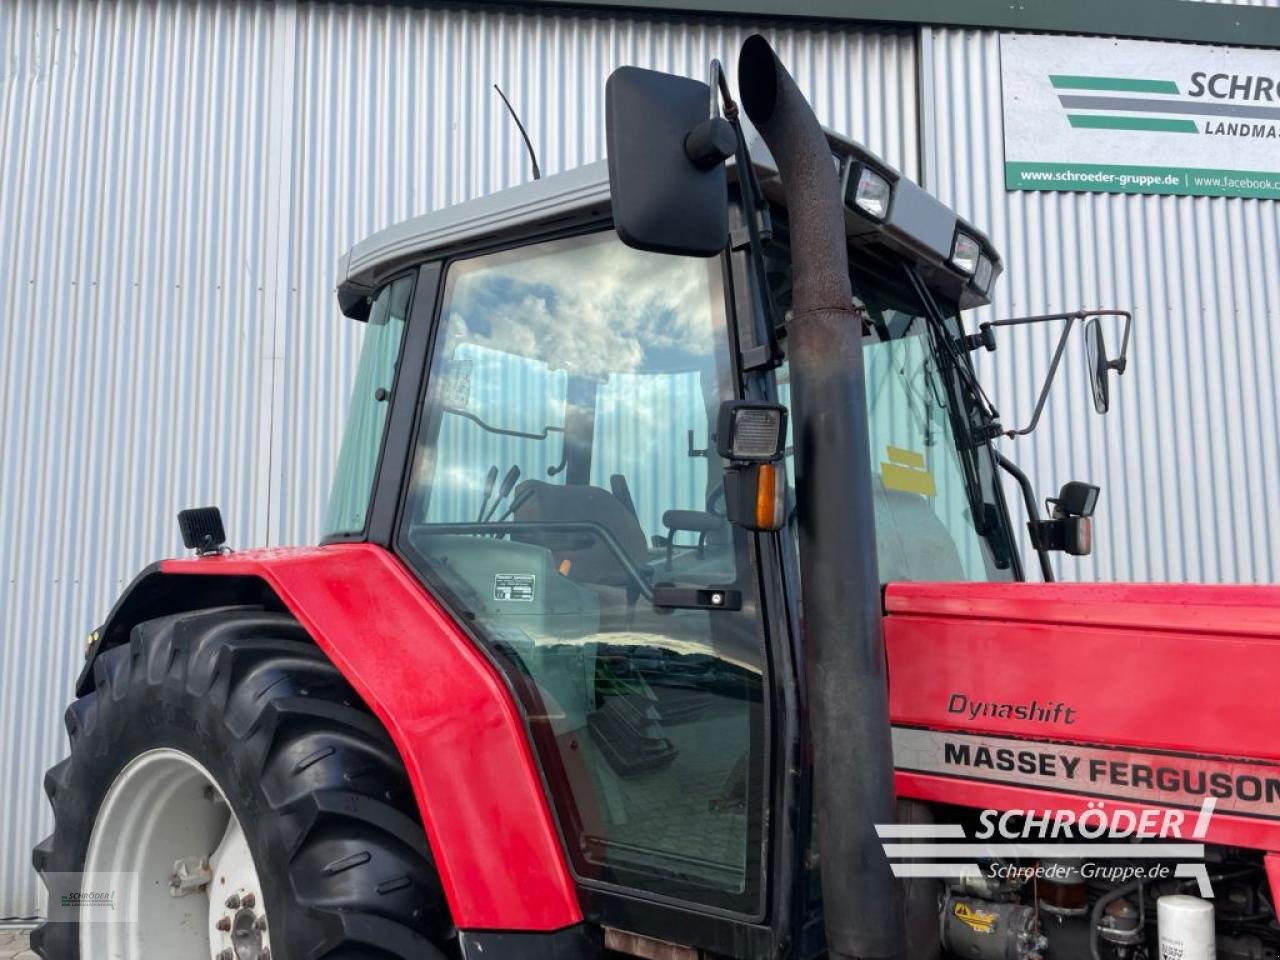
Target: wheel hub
point(246, 936)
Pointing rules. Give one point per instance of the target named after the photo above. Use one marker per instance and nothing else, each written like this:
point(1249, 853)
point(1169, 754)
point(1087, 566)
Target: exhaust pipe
point(843, 641)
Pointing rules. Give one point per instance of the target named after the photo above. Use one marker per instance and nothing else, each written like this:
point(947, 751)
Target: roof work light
point(867, 192)
point(965, 251)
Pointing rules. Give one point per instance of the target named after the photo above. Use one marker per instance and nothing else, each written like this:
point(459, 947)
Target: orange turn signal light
point(769, 502)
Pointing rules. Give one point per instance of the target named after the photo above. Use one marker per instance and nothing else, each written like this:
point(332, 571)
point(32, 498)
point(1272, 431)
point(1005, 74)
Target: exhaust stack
point(848, 707)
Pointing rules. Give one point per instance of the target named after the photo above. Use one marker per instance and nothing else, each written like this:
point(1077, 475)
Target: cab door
point(565, 501)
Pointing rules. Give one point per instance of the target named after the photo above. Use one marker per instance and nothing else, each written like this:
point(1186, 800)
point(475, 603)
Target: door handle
point(667, 596)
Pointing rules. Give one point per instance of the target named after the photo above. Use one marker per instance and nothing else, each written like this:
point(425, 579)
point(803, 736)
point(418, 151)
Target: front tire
point(244, 699)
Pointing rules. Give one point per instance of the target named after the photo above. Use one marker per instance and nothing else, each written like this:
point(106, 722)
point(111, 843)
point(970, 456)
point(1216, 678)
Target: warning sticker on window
point(905, 470)
point(513, 586)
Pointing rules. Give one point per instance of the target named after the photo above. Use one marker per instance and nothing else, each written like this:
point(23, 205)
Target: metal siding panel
point(131, 169)
point(176, 181)
point(1188, 457)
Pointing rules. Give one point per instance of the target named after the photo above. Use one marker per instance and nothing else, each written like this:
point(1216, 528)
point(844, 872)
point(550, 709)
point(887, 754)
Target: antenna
point(533, 157)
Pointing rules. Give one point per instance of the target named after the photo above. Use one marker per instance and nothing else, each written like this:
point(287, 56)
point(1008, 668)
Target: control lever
point(518, 501)
point(508, 482)
point(490, 479)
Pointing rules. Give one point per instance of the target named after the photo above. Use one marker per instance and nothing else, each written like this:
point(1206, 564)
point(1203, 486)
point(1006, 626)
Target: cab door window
point(352, 488)
point(564, 483)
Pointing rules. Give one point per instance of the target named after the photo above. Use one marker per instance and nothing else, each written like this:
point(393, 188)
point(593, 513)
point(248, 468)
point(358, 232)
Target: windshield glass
point(937, 517)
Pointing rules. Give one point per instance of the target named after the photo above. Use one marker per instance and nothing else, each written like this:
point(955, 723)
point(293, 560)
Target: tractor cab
point(584, 438)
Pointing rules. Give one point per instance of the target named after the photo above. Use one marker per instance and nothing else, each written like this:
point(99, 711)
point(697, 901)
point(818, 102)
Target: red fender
point(449, 713)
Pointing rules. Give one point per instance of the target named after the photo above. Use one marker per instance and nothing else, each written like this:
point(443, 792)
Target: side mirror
point(667, 177)
point(1070, 528)
point(1075, 499)
point(1095, 346)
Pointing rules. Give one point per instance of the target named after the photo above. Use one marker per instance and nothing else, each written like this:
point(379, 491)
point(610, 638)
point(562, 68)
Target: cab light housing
point(867, 192)
point(965, 253)
point(983, 276)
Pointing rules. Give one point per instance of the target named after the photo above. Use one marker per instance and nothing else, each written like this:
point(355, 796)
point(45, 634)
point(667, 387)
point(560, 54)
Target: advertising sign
point(1138, 116)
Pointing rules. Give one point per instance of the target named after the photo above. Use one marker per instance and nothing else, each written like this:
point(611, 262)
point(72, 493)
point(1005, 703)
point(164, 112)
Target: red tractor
point(669, 606)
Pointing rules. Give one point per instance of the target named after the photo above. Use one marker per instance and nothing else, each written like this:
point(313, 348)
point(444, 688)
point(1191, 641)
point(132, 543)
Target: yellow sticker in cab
point(979, 921)
point(905, 470)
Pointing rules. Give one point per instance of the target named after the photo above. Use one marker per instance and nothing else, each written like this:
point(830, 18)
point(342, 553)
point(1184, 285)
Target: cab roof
point(919, 226)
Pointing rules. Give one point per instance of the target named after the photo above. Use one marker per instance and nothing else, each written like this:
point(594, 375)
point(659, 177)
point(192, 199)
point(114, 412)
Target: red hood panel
point(1125, 691)
point(1178, 667)
point(1236, 610)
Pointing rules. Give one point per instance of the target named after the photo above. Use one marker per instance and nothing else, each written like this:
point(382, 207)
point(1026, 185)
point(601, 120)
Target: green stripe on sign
point(1089, 121)
point(1128, 84)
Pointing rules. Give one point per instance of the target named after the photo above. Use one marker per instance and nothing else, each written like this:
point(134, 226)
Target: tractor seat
point(912, 543)
point(590, 559)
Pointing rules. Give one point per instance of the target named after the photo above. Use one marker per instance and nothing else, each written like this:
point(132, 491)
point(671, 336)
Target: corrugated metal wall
point(176, 183)
point(138, 265)
point(1189, 457)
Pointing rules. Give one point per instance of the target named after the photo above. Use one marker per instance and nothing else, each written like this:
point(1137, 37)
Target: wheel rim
point(169, 844)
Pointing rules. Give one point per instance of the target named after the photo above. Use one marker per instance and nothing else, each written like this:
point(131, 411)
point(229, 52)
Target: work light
point(868, 192)
point(965, 252)
point(751, 437)
point(749, 432)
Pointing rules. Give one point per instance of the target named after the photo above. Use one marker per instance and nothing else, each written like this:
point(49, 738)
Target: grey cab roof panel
point(918, 219)
point(520, 206)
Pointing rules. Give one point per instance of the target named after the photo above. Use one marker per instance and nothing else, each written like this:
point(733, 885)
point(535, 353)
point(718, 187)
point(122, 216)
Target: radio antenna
point(533, 157)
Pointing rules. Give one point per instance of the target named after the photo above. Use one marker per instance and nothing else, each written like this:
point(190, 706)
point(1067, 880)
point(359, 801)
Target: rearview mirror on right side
point(667, 177)
point(1100, 365)
point(1095, 345)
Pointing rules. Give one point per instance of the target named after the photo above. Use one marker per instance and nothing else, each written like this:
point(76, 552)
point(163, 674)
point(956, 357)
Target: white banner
point(1139, 116)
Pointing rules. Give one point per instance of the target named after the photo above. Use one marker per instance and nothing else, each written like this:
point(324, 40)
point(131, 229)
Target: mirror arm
point(1071, 319)
point(1118, 364)
point(1033, 510)
point(1121, 362)
point(757, 205)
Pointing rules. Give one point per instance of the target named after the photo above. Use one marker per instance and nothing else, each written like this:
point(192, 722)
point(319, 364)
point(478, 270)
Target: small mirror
point(1075, 499)
point(1095, 346)
point(669, 192)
